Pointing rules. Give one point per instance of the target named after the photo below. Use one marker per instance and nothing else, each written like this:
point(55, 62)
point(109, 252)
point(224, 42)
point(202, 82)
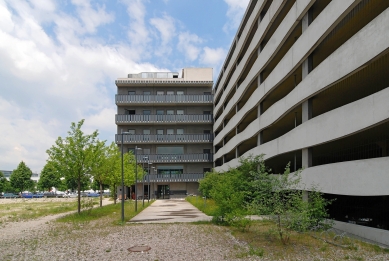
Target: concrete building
point(169, 120)
point(306, 82)
point(7, 173)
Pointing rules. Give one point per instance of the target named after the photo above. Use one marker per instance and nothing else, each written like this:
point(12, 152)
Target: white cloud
point(167, 30)
point(138, 33)
point(92, 18)
point(212, 56)
point(49, 81)
point(235, 12)
point(188, 45)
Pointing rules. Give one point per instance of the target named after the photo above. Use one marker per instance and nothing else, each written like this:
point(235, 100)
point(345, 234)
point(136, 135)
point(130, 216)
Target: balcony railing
point(194, 177)
point(166, 119)
point(169, 138)
point(163, 99)
point(162, 158)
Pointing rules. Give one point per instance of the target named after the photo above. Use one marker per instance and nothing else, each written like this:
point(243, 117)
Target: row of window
point(167, 170)
point(162, 112)
point(161, 132)
point(163, 93)
point(167, 150)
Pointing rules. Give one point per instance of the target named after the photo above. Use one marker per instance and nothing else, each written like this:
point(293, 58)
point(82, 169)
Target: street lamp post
point(121, 145)
point(155, 170)
point(136, 179)
point(148, 186)
point(143, 180)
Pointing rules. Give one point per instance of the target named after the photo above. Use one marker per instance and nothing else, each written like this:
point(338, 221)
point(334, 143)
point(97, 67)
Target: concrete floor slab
point(170, 211)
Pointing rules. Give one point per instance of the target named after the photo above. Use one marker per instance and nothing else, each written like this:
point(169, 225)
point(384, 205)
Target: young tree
point(99, 165)
point(72, 156)
point(21, 177)
point(50, 177)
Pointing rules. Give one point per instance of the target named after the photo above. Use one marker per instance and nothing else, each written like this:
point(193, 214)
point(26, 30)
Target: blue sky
point(59, 60)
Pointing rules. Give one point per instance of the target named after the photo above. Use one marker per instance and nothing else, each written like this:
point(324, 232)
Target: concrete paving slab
point(170, 211)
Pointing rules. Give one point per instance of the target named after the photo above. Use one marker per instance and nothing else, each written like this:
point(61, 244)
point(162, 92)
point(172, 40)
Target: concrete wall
point(374, 234)
point(348, 178)
point(197, 74)
point(335, 124)
point(153, 89)
point(347, 59)
point(293, 58)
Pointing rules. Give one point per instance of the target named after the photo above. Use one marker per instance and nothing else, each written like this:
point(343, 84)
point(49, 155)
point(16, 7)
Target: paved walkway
point(170, 211)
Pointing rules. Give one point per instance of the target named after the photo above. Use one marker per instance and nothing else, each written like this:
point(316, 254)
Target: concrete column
point(236, 153)
point(260, 109)
point(307, 20)
point(260, 138)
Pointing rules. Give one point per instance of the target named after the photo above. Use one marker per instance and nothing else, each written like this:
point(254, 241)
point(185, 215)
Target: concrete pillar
point(260, 109)
point(236, 153)
point(307, 20)
point(260, 138)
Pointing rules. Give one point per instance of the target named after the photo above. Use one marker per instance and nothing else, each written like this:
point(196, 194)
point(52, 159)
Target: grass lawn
point(111, 212)
point(22, 210)
point(207, 206)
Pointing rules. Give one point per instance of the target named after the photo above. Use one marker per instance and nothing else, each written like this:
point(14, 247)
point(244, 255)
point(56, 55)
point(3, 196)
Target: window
point(180, 112)
point(169, 112)
point(180, 131)
point(207, 93)
point(132, 132)
point(131, 92)
point(170, 131)
point(160, 112)
point(207, 151)
point(146, 112)
point(169, 92)
point(167, 170)
point(180, 92)
point(160, 92)
point(170, 150)
point(206, 112)
point(146, 132)
point(130, 112)
point(205, 170)
point(207, 132)
point(146, 151)
point(159, 132)
point(146, 93)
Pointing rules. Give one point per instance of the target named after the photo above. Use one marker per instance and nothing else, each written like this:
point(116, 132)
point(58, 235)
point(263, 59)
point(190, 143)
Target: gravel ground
point(42, 239)
point(92, 242)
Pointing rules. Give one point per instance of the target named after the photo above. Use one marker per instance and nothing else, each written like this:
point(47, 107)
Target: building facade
point(307, 83)
point(167, 123)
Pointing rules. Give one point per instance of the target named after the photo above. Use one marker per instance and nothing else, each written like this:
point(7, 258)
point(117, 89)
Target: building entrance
point(163, 192)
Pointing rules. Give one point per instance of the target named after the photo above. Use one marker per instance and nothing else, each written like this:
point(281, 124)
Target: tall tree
point(21, 177)
point(73, 155)
point(99, 161)
point(50, 177)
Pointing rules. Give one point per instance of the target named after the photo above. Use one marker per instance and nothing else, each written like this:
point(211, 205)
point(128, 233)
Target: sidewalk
point(170, 211)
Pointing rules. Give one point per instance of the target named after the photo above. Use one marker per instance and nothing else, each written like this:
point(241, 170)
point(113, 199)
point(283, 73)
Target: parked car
point(10, 195)
point(27, 195)
point(93, 194)
point(50, 195)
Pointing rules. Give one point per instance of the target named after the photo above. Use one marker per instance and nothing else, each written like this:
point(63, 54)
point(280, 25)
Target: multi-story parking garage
point(168, 120)
point(307, 82)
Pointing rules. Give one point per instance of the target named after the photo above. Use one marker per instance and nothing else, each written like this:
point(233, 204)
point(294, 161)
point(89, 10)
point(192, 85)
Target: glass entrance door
point(163, 192)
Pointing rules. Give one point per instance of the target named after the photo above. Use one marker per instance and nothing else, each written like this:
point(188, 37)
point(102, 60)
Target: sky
point(59, 60)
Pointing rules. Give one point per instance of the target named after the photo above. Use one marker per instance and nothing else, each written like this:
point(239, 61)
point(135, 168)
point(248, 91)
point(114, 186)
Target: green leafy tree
point(99, 165)
point(21, 178)
point(73, 155)
point(281, 197)
point(50, 177)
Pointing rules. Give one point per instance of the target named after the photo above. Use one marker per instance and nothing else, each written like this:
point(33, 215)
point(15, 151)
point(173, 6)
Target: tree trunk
point(101, 194)
point(115, 195)
point(79, 195)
